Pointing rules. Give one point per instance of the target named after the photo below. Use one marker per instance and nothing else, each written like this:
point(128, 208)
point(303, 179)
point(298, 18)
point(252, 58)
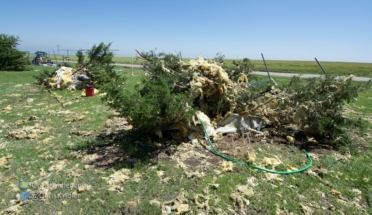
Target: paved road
point(285, 74)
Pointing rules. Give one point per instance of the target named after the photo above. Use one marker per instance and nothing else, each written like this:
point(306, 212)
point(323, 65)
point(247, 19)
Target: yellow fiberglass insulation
point(62, 78)
point(243, 80)
point(267, 107)
point(212, 86)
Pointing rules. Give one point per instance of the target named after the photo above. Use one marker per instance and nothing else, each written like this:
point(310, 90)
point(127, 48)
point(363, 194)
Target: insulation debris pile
point(67, 77)
point(222, 109)
point(211, 84)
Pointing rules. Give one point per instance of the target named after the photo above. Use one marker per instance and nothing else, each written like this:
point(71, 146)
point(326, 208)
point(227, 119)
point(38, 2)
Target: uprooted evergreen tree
point(158, 101)
point(237, 68)
point(11, 59)
point(323, 102)
point(168, 95)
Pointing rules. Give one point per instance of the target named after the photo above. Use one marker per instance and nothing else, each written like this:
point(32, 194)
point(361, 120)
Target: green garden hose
point(251, 165)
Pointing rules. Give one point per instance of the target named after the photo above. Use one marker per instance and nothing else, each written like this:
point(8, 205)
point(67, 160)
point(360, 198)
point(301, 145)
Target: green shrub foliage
point(42, 78)
point(325, 99)
point(158, 101)
point(100, 64)
point(80, 56)
point(11, 59)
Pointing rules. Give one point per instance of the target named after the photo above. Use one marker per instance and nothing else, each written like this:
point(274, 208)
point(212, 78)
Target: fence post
point(132, 65)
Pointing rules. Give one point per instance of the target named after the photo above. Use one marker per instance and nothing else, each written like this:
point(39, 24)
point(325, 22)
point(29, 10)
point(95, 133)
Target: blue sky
point(330, 30)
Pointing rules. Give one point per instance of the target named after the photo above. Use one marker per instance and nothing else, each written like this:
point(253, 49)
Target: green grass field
point(311, 67)
point(301, 67)
point(339, 182)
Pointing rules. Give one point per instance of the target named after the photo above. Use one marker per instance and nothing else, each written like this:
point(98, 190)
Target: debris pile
point(273, 109)
point(211, 85)
point(174, 90)
point(67, 77)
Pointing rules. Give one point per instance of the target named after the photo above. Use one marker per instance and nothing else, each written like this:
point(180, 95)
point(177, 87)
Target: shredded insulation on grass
point(271, 162)
point(115, 180)
point(4, 161)
point(81, 133)
point(75, 118)
point(272, 177)
point(53, 112)
point(15, 209)
point(15, 95)
point(178, 205)
point(28, 132)
point(7, 108)
point(48, 139)
point(29, 100)
point(58, 165)
point(250, 157)
point(227, 166)
point(239, 197)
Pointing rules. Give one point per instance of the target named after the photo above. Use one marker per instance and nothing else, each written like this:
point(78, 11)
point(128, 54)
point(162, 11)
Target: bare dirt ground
point(194, 156)
point(197, 158)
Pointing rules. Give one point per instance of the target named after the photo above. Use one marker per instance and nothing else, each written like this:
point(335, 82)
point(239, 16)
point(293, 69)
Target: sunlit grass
point(30, 156)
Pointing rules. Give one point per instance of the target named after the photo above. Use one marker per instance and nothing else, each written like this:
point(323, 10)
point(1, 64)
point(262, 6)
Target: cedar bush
point(12, 59)
point(42, 78)
point(237, 68)
point(326, 99)
point(99, 65)
point(240, 67)
point(158, 101)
